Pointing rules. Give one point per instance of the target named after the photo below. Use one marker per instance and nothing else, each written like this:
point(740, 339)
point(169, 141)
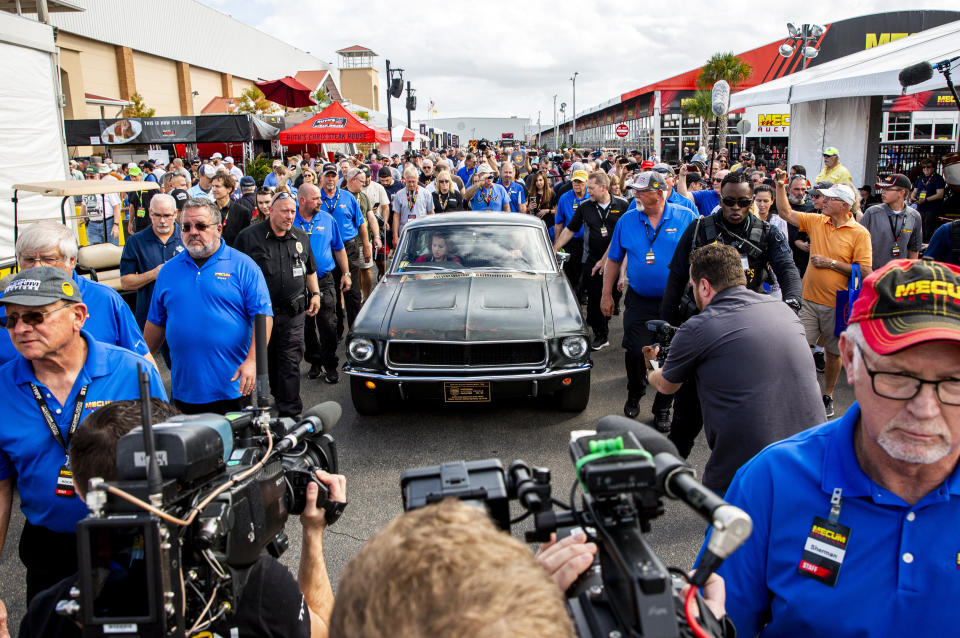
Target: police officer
point(760, 245)
point(566, 207)
point(286, 259)
point(600, 216)
point(320, 331)
point(648, 239)
point(59, 375)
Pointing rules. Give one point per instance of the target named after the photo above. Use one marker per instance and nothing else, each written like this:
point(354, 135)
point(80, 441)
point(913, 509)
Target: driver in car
point(438, 251)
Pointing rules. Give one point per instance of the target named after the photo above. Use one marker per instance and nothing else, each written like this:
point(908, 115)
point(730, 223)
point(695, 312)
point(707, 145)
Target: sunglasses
point(31, 318)
point(279, 196)
point(200, 226)
point(743, 202)
point(443, 181)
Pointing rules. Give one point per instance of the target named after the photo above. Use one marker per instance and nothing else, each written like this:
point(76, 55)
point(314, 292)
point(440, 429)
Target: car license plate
point(466, 391)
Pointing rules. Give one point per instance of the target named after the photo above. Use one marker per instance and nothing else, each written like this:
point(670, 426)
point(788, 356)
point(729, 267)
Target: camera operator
point(446, 570)
point(59, 375)
point(854, 521)
point(272, 603)
point(748, 353)
point(760, 245)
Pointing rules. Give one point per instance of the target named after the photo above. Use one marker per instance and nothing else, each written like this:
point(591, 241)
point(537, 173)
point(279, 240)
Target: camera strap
point(48, 416)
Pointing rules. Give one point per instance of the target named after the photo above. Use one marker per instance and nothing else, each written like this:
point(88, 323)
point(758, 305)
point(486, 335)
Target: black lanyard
point(647, 231)
point(48, 417)
point(603, 220)
point(331, 207)
point(897, 233)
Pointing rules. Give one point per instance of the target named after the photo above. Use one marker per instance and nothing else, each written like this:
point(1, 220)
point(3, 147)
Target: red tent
point(287, 91)
point(333, 124)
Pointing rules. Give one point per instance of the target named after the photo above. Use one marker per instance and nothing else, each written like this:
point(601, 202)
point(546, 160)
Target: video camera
point(624, 469)
point(168, 547)
point(665, 333)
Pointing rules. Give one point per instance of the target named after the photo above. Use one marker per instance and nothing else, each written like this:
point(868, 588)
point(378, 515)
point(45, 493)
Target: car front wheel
point(576, 396)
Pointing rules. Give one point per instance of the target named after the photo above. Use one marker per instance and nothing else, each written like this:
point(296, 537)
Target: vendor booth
point(333, 125)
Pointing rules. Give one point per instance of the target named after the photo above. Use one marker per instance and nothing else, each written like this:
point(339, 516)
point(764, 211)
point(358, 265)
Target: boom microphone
point(915, 74)
point(328, 412)
point(721, 98)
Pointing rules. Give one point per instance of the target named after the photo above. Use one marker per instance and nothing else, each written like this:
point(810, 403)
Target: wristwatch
point(346, 274)
point(314, 293)
point(833, 264)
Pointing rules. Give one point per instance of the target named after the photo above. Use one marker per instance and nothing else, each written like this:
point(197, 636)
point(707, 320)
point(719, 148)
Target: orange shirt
point(848, 243)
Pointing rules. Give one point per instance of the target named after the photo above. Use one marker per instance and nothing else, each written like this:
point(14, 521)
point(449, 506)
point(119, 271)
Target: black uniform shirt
point(285, 262)
point(600, 223)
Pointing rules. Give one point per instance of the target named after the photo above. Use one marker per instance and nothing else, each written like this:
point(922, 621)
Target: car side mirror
point(562, 258)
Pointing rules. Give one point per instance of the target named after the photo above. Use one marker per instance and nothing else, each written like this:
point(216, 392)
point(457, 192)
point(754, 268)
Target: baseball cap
point(247, 182)
point(646, 165)
point(831, 150)
point(39, 287)
point(216, 156)
point(135, 170)
point(276, 163)
point(747, 155)
point(329, 168)
point(132, 165)
point(664, 169)
point(384, 172)
point(822, 184)
point(842, 191)
point(208, 171)
point(228, 160)
point(908, 302)
point(579, 176)
point(484, 169)
point(91, 170)
point(649, 181)
point(195, 160)
point(897, 180)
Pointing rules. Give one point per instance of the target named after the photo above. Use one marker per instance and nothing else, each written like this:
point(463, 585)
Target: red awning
point(287, 92)
point(334, 124)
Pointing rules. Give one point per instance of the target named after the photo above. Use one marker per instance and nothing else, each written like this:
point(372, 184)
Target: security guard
point(284, 255)
point(60, 375)
point(566, 207)
point(648, 238)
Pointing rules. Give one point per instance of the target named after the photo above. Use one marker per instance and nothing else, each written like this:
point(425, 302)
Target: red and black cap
point(908, 302)
point(896, 180)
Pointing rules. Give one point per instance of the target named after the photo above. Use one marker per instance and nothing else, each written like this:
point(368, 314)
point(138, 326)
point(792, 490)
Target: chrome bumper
point(533, 376)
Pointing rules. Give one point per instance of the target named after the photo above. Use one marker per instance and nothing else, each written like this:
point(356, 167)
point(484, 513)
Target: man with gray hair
point(410, 203)
point(203, 305)
point(110, 320)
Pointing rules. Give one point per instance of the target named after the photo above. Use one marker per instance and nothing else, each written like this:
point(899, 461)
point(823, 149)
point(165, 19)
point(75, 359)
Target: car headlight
point(361, 349)
point(573, 347)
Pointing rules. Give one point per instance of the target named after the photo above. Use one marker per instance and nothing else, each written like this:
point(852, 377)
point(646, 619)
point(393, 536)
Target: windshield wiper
point(426, 267)
point(507, 269)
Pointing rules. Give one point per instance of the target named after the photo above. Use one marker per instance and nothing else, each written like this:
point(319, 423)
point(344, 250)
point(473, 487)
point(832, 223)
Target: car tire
point(365, 400)
point(576, 396)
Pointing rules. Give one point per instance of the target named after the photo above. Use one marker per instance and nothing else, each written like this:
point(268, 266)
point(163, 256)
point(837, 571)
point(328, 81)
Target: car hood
point(472, 307)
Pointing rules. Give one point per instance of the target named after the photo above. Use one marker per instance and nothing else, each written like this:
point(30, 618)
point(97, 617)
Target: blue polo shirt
point(900, 574)
point(940, 247)
point(196, 191)
point(208, 313)
point(632, 237)
point(706, 201)
point(142, 253)
point(343, 207)
point(680, 200)
point(466, 174)
point(566, 206)
point(517, 194)
point(498, 199)
point(324, 236)
point(108, 319)
point(29, 451)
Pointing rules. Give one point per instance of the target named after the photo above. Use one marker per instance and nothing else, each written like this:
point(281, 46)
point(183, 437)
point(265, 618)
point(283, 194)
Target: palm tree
point(700, 105)
point(723, 66)
point(254, 102)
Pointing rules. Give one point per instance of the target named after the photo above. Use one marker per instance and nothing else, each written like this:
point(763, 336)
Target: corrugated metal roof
point(191, 32)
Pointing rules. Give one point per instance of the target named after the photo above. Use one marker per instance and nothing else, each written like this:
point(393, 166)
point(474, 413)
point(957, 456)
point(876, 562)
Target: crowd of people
point(753, 264)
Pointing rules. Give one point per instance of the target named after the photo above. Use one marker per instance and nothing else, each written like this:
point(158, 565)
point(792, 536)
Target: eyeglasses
point(716, 180)
point(742, 202)
point(200, 226)
point(279, 196)
point(900, 386)
point(28, 261)
point(31, 318)
point(164, 217)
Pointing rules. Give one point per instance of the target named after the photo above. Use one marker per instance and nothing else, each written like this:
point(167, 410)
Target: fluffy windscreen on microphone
point(915, 74)
point(721, 98)
point(328, 412)
point(651, 440)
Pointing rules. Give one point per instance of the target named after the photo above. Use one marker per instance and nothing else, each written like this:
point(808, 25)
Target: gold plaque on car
point(466, 391)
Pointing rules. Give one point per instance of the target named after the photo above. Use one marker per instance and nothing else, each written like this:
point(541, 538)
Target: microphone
point(327, 412)
point(915, 74)
point(721, 98)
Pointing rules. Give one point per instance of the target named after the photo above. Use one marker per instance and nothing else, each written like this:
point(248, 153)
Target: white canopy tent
point(837, 103)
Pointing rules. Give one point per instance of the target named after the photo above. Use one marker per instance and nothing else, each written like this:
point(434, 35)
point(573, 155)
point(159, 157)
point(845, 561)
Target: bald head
point(309, 196)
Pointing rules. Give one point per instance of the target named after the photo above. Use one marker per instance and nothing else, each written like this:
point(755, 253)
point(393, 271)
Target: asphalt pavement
point(374, 451)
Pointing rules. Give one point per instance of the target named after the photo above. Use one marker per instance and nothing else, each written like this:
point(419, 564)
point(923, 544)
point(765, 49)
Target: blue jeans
point(100, 232)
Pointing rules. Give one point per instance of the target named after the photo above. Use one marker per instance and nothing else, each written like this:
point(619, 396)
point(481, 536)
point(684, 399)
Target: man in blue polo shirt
point(567, 205)
point(466, 171)
point(705, 200)
point(59, 375)
point(515, 190)
point(320, 331)
point(484, 194)
point(109, 318)
point(876, 491)
point(345, 210)
point(648, 239)
point(673, 197)
point(203, 304)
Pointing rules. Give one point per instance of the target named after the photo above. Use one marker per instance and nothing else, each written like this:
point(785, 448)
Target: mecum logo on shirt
point(222, 275)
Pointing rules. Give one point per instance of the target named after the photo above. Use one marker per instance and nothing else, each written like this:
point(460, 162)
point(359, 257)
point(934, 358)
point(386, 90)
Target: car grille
point(411, 354)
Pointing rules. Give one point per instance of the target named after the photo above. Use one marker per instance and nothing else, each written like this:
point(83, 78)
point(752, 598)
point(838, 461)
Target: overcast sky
point(500, 58)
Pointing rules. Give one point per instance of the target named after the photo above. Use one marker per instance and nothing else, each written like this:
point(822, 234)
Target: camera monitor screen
point(120, 567)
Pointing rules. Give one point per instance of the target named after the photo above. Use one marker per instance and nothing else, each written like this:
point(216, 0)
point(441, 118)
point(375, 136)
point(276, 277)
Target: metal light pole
point(391, 93)
point(805, 38)
point(574, 80)
point(563, 114)
point(556, 134)
point(538, 129)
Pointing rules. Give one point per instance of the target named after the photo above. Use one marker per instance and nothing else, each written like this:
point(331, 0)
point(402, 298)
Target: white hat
point(841, 191)
point(228, 160)
point(484, 168)
point(208, 171)
point(132, 165)
point(216, 156)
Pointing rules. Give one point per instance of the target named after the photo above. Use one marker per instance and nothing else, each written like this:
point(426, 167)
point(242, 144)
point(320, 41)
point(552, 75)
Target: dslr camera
point(664, 333)
point(624, 469)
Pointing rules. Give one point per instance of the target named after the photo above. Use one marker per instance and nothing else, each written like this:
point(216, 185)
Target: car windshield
point(475, 246)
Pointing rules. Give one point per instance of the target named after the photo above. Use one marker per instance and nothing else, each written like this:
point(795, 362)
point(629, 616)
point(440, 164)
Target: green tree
point(363, 115)
point(322, 98)
point(138, 108)
point(700, 105)
point(254, 102)
point(723, 66)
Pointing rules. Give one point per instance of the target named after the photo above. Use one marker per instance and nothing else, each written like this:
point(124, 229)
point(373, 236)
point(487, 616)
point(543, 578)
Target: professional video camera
point(170, 554)
point(665, 333)
point(625, 469)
